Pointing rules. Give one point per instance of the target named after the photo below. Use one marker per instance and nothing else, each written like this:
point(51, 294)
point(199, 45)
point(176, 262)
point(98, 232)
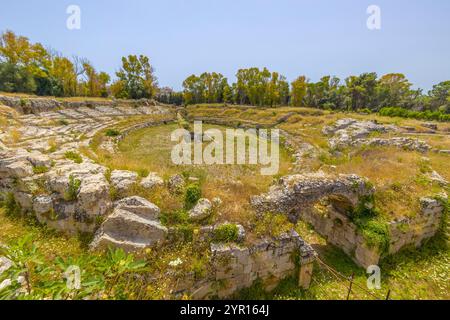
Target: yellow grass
point(399, 176)
point(150, 150)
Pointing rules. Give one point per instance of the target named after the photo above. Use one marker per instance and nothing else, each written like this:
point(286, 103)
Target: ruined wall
point(341, 232)
point(297, 195)
point(414, 231)
point(236, 267)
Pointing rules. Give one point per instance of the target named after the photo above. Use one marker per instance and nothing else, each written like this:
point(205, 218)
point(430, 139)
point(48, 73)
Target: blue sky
point(293, 37)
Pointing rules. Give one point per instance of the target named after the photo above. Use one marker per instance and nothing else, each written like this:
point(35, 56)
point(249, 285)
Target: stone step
point(72, 114)
point(104, 241)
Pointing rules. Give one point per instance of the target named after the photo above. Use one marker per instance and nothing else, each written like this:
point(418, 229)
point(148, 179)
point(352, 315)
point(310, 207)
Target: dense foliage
point(34, 276)
point(30, 68)
point(366, 92)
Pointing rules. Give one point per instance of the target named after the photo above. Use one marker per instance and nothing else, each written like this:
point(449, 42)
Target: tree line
point(364, 92)
point(27, 67)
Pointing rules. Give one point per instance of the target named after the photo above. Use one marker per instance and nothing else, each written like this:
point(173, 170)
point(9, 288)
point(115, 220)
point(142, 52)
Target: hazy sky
point(293, 37)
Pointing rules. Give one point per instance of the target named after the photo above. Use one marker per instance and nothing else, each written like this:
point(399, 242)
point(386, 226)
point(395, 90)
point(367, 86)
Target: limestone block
point(202, 210)
point(152, 181)
point(140, 207)
point(123, 180)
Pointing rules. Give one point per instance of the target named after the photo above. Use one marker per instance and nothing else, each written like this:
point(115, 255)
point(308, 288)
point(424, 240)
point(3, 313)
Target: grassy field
point(149, 150)
point(401, 177)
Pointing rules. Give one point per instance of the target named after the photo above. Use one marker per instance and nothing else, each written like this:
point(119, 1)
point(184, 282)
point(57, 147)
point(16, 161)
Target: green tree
point(14, 78)
point(298, 92)
point(360, 91)
point(393, 90)
point(63, 71)
point(137, 77)
point(440, 97)
point(18, 51)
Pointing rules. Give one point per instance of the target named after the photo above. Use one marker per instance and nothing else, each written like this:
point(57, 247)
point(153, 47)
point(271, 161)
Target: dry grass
point(398, 175)
point(50, 242)
point(150, 150)
point(14, 136)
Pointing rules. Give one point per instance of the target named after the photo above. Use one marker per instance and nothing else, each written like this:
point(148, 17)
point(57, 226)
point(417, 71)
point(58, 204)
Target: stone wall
point(341, 232)
point(414, 231)
point(298, 195)
point(235, 267)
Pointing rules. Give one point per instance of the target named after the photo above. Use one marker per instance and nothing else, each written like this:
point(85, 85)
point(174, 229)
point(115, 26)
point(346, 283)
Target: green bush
point(185, 233)
point(106, 275)
point(376, 234)
point(112, 133)
point(75, 157)
point(420, 115)
point(175, 218)
point(40, 169)
point(200, 268)
point(226, 233)
point(370, 223)
point(12, 207)
point(72, 192)
point(366, 208)
point(193, 194)
point(184, 230)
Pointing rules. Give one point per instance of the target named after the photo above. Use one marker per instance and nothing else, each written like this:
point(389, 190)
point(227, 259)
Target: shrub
point(175, 218)
point(40, 169)
point(185, 233)
point(420, 115)
point(365, 209)
point(108, 175)
point(106, 275)
point(23, 102)
point(199, 267)
point(273, 225)
point(226, 233)
point(193, 194)
point(113, 193)
point(112, 133)
point(75, 157)
point(376, 234)
point(12, 207)
point(143, 173)
point(72, 192)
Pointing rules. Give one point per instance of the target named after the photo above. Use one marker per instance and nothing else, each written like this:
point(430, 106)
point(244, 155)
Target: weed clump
point(112, 133)
point(373, 228)
point(193, 194)
point(226, 233)
point(74, 187)
point(40, 169)
point(75, 157)
point(12, 207)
